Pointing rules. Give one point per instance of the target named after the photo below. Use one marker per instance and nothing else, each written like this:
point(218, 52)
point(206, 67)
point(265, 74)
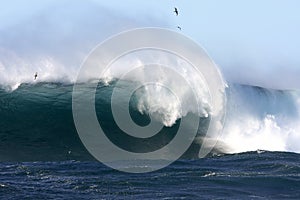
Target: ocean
point(42, 156)
point(251, 175)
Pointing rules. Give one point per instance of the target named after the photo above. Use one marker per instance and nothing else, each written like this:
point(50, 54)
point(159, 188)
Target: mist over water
point(48, 39)
point(54, 41)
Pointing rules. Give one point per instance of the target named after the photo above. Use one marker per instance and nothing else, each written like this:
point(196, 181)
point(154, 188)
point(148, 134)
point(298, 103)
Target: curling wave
point(36, 121)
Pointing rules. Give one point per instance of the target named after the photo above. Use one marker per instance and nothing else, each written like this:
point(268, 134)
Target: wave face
point(36, 122)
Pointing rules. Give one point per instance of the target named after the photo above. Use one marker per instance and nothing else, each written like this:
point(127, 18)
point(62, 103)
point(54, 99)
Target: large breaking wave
point(36, 121)
point(36, 116)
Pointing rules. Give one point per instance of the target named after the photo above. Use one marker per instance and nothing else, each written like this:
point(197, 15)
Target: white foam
point(176, 83)
point(262, 119)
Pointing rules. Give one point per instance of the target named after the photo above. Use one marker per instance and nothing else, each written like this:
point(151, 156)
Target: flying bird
point(176, 11)
point(35, 75)
point(179, 27)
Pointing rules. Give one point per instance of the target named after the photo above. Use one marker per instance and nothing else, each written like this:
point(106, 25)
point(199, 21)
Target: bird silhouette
point(176, 11)
point(179, 27)
point(35, 75)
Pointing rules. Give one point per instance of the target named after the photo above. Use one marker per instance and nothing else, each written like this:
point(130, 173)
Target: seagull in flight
point(176, 11)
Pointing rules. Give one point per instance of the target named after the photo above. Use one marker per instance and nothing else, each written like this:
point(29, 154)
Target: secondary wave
point(260, 118)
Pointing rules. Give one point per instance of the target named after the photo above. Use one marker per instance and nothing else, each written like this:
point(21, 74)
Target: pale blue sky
point(253, 41)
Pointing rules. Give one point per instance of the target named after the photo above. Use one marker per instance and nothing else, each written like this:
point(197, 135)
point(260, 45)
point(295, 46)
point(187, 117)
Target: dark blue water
point(263, 175)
